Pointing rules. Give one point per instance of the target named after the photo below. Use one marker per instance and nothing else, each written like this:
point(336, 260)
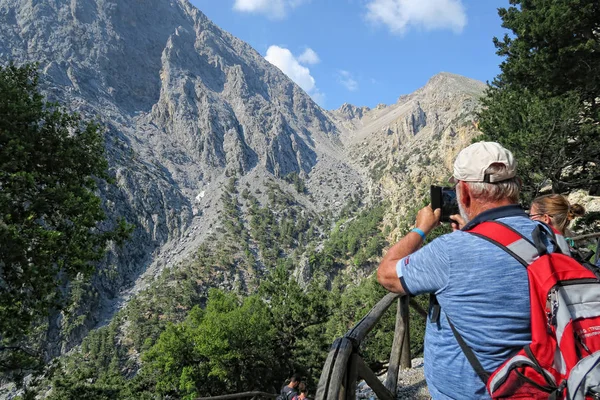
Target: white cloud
point(309, 57)
point(283, 59)
point(399, 15)
point(346, 79)
point(276, 9)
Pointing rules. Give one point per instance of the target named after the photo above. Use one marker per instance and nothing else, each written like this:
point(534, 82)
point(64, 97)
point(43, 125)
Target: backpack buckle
point(558, 393)
point(434, 309)
point(434, 318)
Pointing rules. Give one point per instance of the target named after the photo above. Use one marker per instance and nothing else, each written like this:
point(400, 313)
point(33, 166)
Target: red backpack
point(563, 359)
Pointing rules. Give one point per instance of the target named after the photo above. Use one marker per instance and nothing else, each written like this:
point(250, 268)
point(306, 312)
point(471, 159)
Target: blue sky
point(366, 52)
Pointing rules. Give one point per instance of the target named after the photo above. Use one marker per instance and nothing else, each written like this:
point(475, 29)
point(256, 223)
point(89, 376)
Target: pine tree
point(545, 104)
point(50, 161)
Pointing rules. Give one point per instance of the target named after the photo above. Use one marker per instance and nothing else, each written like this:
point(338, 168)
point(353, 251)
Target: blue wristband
point(420, 232)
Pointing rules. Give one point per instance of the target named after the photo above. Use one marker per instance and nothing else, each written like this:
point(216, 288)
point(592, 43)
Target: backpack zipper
point(576, 282)
point(552, 307)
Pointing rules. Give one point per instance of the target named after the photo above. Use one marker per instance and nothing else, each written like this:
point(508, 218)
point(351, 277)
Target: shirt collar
point(513, 210)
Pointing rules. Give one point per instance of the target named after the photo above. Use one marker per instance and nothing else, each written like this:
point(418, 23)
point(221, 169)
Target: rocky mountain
point(187, 106)
point(410, 145)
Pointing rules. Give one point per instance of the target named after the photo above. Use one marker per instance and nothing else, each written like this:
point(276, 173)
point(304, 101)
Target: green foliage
point(554, 48)
point(357, 240)
point(50, 161)
point(299, 315)
point(545, 105)
point(226, 348)
point(239, 344)
point(547, 137)
point(280, 226)
point(97, 370)
point(355, 303)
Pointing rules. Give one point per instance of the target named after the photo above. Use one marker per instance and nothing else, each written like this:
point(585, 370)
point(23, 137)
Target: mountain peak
point(454, 82)
point(350, 111)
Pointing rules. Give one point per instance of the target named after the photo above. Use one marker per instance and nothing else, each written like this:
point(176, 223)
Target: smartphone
point(445, 199)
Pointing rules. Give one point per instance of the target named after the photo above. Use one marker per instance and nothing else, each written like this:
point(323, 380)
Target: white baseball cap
point(471, 163)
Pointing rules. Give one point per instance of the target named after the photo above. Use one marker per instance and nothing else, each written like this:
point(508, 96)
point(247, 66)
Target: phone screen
point(445, 199)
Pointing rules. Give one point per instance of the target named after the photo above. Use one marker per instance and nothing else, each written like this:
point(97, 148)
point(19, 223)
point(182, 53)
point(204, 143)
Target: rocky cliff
point(187, 105)
point(410, 145)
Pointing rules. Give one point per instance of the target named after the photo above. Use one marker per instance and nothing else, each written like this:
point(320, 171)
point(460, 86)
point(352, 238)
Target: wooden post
point(323, 386)
point(352, 377)
point(391, 382)
point(417, 307)
point(405, 359)
point(339, 370)
point(332, 378)
point(338, 378)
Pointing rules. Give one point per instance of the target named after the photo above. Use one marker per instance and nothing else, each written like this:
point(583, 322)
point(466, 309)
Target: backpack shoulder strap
point(470, 354)
point(514, 244)
point(511, 241)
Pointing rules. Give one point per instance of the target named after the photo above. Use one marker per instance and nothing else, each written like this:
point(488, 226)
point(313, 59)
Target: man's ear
point(465, 194)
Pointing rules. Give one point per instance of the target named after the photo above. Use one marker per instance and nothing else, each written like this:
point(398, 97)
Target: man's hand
point(458, 222)
point(428, 219)
point(387, 275)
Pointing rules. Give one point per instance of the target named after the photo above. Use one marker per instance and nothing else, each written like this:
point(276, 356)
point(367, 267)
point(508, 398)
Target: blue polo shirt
point(485, 293)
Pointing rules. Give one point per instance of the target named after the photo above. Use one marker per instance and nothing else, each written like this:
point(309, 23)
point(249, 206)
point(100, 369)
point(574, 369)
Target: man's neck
point(479, 207)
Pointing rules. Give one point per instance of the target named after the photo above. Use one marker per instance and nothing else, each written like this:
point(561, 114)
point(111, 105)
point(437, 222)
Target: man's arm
point(387, 276)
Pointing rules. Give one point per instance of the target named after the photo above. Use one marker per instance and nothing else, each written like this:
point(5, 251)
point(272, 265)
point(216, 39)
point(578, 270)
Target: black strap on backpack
point(471, 357)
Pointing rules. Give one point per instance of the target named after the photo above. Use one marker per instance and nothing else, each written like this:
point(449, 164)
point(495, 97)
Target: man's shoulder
point(450, 239)
point(287, 390)
point(524, 226)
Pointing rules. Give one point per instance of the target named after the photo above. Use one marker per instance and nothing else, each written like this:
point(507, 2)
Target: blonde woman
point(556, 211)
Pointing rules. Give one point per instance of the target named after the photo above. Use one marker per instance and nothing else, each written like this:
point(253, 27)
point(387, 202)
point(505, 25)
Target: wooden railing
point(245, 395)
point(344, 366)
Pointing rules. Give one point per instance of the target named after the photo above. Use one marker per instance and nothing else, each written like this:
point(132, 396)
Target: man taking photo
point(480, 288)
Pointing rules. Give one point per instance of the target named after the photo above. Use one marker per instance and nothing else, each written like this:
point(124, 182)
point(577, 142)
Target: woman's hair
point(302, 387)
point(558, 208)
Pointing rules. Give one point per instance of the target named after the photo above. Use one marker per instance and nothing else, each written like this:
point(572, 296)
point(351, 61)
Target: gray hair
point(508, 189)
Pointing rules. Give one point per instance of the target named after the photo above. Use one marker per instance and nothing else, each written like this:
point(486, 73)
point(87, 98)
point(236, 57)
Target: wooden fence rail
point(244, 395)
point(344, 366)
